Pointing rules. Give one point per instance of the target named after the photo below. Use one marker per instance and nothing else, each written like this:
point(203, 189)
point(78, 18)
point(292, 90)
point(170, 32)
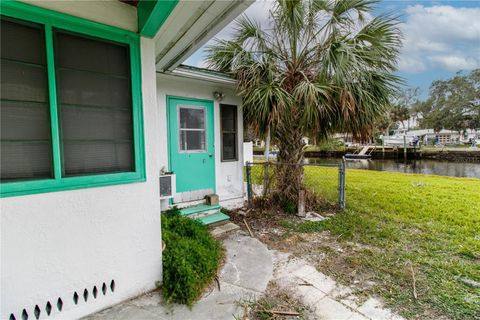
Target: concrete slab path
point(247, 271)
point(328, 299)
point(248, 268)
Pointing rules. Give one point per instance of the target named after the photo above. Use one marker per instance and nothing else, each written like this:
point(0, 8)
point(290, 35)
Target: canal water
point(435, 167)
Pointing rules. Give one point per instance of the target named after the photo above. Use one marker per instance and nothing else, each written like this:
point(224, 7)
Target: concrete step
point(201, 214)
point(199, 209)
point(223, 228)
point(213, 218)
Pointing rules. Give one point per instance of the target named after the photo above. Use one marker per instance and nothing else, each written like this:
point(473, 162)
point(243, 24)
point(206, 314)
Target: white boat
point(399, 138)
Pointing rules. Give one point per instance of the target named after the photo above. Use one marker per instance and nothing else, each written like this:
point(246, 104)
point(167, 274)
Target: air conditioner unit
point(167, 186)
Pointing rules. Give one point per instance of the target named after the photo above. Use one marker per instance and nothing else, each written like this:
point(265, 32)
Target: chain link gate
point(325, 180)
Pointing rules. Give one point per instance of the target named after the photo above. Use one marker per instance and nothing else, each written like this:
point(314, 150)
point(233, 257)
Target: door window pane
point(192, 140)
point(191, 118)
point(95, 105)
point(24, 109)
point(192, 132)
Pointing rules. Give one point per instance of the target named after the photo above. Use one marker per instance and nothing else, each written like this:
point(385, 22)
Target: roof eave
point(198, 74)
point(189, 26)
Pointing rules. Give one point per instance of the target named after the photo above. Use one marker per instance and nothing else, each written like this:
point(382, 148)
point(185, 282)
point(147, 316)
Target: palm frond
point(315, 70)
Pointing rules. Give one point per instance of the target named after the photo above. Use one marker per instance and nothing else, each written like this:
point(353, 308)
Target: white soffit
point(203, 75)
point(190, 26)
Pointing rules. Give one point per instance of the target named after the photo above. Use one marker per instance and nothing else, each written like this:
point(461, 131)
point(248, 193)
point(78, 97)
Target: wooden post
point(383, 146)
point(301, 203)
point(265, 167)
point(249, 184)
point(265, 178)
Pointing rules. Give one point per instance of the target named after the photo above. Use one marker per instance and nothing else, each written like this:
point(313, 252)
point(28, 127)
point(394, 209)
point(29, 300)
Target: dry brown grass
point(275, 304)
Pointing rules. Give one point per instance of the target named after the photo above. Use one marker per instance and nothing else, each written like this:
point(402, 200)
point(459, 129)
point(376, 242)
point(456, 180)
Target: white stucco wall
point(229, 175)
point(55, 244)
point(112, 12)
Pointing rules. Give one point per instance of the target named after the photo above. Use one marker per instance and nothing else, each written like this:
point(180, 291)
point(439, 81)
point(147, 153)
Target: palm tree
point(319, 66)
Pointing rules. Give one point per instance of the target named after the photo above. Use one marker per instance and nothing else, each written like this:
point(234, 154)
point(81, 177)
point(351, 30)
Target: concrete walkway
point(247, 271)
point(249, 267)
point(325, 297)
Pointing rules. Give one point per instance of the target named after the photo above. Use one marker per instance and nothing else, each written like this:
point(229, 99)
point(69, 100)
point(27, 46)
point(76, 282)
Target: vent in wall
point(37, 312)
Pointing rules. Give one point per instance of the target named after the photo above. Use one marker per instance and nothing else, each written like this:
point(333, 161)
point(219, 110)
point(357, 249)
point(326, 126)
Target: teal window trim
point(51, 19)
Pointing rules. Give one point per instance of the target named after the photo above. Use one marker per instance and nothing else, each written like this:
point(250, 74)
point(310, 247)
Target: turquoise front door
point(191, 147)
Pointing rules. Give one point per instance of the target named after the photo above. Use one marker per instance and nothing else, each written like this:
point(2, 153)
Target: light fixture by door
point(218, 95)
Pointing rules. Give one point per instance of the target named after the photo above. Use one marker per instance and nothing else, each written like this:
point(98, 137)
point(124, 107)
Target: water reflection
point(441, 168)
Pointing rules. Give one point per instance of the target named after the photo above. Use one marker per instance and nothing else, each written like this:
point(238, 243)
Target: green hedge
point(190, 260)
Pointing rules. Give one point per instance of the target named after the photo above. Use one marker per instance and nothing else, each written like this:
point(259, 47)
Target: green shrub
point(190, 259)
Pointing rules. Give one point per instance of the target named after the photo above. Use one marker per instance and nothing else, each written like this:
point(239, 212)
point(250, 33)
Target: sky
point(440, 38)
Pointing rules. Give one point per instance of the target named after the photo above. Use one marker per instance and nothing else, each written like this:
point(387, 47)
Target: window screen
point(95, 105)
point(192, 133)
point(24, 109)
point(228, 116)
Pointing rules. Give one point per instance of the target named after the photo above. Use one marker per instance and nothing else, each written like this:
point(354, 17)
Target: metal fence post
point(249, 184)
point(341, 184)
point(265, 178)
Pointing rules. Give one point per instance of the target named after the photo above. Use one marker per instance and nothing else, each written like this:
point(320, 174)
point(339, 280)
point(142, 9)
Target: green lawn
point(430, 223)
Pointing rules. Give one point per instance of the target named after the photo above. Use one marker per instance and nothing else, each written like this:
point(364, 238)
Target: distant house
point(446, 137)
point(95, 109)
point(347, 139)
point(430, 136)
point(411, 123)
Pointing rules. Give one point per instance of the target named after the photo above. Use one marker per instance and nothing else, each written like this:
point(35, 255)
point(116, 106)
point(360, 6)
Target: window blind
point(228, 115)
point(24, 108)
point(95, 105)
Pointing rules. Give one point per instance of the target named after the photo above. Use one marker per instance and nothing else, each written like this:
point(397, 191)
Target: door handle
point(210, 155)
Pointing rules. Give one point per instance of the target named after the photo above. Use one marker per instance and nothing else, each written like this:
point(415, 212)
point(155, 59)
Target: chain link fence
point(325, 181)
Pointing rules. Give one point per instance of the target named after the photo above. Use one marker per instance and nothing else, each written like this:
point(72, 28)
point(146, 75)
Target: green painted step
point(213, 218)
point(197, 209)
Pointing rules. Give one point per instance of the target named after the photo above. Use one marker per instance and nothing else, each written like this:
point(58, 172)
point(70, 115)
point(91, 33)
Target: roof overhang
point(205, 75)
point(152, 14)
point(189, 25)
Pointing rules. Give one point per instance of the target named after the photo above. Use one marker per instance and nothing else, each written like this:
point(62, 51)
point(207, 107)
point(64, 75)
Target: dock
point(364, 153)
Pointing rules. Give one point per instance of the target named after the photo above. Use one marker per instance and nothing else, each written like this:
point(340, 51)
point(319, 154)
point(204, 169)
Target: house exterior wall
point(58, 243)
point(114, 13)
point(229, 174)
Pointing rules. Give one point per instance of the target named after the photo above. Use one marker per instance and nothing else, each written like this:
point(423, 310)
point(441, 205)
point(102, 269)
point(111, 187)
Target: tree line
point(451, 104)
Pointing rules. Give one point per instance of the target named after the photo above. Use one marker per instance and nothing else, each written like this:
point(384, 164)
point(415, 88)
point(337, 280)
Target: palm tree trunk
point(267, 144)
point(290, 179)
